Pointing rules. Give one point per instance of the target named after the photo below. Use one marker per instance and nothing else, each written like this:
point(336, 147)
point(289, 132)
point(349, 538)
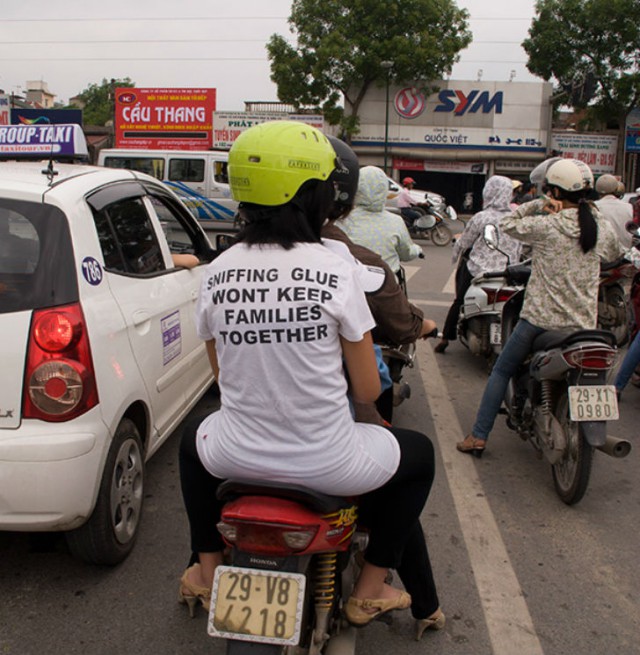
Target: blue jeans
point(409, 215)
point(515, 351)
point(629, 363)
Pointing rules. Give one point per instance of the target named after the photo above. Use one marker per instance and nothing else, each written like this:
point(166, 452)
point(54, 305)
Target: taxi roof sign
point(43, 142)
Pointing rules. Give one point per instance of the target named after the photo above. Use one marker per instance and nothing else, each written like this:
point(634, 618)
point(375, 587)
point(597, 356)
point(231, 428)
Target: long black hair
point(586, 218)
point(298, 221)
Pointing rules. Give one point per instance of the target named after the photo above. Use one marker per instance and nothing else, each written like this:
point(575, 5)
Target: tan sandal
point(356, 612)
point(472, 446)
point(434, 622)
point(190, 594)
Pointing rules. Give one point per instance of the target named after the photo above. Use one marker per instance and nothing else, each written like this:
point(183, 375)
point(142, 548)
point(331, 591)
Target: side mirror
point(491, 237)
point(225, 241)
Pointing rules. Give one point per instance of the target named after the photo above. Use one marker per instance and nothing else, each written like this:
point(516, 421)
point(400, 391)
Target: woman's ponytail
point(588, 226)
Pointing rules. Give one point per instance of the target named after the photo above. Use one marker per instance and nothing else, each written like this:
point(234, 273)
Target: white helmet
point(570, 175)
point(538, 174)
point(606, 184)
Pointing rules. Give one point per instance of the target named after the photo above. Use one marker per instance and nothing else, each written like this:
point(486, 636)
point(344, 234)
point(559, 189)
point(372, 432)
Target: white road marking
point(450, 286)
point(432, 303)
point(509, 623)
point(410, 271)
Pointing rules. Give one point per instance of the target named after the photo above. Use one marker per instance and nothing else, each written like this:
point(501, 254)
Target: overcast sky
point(70, 44)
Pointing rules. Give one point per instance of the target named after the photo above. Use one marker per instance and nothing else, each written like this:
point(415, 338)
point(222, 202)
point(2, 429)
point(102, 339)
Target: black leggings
point(463, 282)
point(392, 513)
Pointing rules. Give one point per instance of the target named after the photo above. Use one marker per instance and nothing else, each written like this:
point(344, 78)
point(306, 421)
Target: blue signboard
point(632, 138)
point(46, 116)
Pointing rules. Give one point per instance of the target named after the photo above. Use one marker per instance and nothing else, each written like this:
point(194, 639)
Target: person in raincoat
point(472, 253)
point(372, 226)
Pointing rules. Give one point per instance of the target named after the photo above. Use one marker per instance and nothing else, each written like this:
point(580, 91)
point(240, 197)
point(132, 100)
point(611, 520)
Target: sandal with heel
point(358, 611)
point(434, 622)
point(191, 595)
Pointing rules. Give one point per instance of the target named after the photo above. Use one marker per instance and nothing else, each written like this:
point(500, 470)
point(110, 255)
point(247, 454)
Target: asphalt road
point(518, 572)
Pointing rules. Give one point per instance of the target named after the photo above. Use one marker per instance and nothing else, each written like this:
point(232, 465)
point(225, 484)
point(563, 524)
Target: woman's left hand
point(552, 206)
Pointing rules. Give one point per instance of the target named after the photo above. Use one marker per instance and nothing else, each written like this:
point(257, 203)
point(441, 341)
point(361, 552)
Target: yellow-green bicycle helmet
point(269, 162)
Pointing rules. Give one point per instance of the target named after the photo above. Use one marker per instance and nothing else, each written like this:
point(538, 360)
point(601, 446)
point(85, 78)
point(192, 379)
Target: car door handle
point(141, 316)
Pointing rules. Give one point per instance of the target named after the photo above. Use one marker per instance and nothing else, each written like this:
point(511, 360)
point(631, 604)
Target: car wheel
point(110, 533)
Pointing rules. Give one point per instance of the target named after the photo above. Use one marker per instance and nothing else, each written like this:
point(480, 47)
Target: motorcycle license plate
point(495, 334)
point(593, 403)
point(256, 605)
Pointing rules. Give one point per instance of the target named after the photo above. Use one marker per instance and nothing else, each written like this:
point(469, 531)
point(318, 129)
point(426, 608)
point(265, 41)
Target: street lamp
point(387, 66)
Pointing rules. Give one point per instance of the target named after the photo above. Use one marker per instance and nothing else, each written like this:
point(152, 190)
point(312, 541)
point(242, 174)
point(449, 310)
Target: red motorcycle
point(292, 566)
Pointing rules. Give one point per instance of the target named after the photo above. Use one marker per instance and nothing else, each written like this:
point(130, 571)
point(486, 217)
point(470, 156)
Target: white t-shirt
point(276, 316)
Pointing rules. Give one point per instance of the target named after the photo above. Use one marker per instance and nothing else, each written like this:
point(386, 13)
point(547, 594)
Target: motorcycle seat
point(558, 338)
point(232, 489)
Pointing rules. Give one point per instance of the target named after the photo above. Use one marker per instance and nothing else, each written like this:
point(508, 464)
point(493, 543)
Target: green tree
point(341, 48)
point(592, 49)
point(99, 102)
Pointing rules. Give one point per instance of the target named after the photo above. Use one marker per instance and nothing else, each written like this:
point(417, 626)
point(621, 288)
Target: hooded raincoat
point(496, 198)
point(370, 225)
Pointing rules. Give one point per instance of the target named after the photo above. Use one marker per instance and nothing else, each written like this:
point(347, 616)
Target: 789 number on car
point(256, 605)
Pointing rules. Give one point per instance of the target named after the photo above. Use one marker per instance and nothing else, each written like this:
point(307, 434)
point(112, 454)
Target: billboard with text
point(159, 119)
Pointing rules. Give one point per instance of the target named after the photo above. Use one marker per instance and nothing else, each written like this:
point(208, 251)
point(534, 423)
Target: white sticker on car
point(171, 337)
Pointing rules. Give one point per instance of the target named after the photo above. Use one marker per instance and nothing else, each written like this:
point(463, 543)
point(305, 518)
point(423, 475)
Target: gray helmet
point(539, 173)
point(606, 184)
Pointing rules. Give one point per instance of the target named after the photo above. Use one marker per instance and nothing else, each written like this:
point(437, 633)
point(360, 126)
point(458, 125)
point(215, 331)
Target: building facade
point(451, 137)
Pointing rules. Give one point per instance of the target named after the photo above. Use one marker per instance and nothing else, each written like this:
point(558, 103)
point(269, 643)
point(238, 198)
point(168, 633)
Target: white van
point(198, 177)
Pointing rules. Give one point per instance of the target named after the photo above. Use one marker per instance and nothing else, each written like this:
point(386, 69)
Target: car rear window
point(149, 165)
point(36, 257)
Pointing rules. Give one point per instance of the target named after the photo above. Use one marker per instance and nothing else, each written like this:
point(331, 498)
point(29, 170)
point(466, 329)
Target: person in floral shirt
point(472, 253)
point(569, 239)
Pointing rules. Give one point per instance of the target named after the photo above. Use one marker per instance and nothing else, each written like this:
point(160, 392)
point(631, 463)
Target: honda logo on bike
point(459, 103)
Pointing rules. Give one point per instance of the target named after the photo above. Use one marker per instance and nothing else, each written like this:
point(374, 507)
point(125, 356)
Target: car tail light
point(267, 538)
point(590, 357)
point(59, 377)
point(497, 295)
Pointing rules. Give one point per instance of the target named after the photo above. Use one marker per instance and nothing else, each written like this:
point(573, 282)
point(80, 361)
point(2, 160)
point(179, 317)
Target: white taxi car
point(100, 358)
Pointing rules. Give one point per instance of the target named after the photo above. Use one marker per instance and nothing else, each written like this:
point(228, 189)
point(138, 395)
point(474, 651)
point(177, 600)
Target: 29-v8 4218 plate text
point(256, 605)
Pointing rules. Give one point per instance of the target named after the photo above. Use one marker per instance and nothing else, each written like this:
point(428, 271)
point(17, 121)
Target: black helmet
point(345, 177)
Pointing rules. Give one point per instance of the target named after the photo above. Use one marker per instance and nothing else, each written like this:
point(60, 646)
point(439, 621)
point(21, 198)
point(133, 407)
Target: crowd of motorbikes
point(293, 554)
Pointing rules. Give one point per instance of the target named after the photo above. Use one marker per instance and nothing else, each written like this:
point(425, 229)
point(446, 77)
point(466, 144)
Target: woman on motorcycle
point(372, 226)
point(282, 316)
point(568, 238)
point(472, 253)
point(397, 320)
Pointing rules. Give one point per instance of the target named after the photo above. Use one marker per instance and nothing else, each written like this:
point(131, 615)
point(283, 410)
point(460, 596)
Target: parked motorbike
point(431, 224)
point(292, 567)
point(480, 320)
point(613, 307)
point(559, 400)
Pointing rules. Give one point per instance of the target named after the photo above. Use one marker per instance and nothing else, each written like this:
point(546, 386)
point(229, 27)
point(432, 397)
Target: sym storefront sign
point(491, 117)
point(598, 151)
point(228, 126)
point(177, 119)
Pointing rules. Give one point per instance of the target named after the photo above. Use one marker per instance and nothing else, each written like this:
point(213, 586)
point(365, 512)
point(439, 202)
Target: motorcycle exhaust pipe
point(615, 447)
